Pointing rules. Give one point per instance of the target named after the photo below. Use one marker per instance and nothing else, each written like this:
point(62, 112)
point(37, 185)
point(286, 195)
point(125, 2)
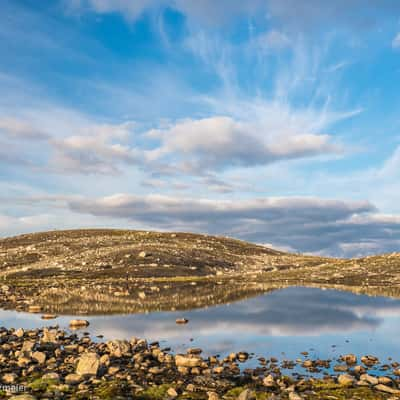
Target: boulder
point(39, 357)
point(349, 359)
point(247, 394)
point(346, 380)
point(118, 348)
point(88, 364)
point(186, 361)
point(73, 379)
point(49, 336)
point(51, 376)
point(387, 389)
point(9, 378)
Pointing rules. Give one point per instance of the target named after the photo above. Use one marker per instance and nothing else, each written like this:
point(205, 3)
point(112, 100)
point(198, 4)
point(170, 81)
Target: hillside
point(106, 271)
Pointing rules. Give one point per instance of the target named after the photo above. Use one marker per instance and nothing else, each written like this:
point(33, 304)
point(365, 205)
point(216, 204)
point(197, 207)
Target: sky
point(273, 121)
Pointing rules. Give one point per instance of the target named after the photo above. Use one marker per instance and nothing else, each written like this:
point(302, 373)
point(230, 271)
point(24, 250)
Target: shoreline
point(52, 363)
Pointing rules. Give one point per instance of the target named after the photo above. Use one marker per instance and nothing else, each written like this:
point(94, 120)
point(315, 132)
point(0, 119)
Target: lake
point(282, 324)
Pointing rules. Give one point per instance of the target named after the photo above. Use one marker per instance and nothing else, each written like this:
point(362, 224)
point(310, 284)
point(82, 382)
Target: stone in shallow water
point(49, 316)
point(78, 323)
point(182, 321)
point(349, 359)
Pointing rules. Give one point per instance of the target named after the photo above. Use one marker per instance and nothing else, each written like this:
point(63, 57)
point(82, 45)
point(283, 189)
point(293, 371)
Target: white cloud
point(304, 224)
point(27, 223)
point(218, 142)
point(396, 41)
point(20, 129)
point(94, 150)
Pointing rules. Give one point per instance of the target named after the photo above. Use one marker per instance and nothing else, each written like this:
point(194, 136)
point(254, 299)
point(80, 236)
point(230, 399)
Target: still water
point(283, 323)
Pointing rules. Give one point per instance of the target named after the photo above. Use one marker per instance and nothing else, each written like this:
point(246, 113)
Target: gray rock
point(51, 376)
point(49, 336)
point(387, 389)
point(346, 380)
point(247, 394)
point(73, 379)
point(39, 357)
point(118, 348)
point(372, 380)
point(186, 361)
point(88, 364)
point(9, 378)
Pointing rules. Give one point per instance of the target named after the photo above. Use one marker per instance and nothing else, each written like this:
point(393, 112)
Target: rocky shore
point(50, 363)
point(109, 271)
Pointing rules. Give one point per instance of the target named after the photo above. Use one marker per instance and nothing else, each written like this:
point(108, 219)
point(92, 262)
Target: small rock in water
point(349, 359)
point(78, 323)
point(49, 316)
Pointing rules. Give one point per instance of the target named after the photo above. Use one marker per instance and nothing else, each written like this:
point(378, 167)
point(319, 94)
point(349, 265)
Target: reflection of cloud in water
point(288, 312)
point(285, 317)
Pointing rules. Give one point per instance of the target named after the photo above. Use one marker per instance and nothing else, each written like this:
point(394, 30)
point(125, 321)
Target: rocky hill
point(106, 271)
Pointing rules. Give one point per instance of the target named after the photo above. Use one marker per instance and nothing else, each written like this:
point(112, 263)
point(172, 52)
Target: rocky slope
point(109, 271)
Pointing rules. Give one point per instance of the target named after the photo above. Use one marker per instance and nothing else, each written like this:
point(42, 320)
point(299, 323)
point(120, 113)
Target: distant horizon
point(271, 121)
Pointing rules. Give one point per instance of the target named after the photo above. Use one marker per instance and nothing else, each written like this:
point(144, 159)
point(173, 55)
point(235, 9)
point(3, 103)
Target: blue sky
point(275, 121)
